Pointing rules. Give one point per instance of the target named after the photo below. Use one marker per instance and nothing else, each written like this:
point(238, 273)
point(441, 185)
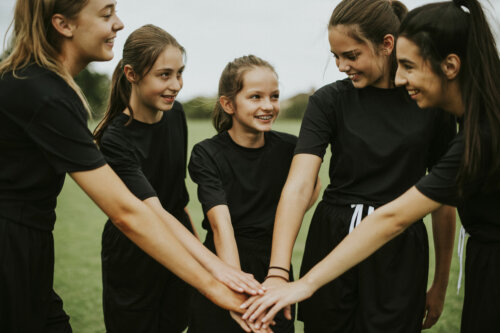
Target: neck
point(247, 139)
point(142, 112)
point(70, 61)
point(453, 99)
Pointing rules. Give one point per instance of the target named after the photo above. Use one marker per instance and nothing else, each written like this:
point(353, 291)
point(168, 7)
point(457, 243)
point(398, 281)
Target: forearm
point(186, 238)
point(295, 200)
point(443, 227)
point(195, 232)
point(224, 240)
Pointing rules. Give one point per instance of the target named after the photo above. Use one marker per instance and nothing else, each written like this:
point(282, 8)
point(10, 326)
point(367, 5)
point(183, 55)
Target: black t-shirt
point(248, 180)
point(382, 143)
point(151, 158)
point(43, 135)
point(479, 211)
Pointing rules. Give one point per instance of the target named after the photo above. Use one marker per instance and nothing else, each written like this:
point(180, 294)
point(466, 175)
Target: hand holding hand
point(236, 279)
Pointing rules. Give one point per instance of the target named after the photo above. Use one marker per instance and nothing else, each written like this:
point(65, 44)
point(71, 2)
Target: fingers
point(237, 318)
point(249, 302)
point(243, 283)
point(430, 319)
point(288, 312)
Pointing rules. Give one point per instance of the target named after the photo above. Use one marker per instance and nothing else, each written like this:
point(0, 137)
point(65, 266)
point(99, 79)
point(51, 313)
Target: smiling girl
point(43, 136)
point(381, 144)
point(448, 58)
point(240, 173)
point(143, 137)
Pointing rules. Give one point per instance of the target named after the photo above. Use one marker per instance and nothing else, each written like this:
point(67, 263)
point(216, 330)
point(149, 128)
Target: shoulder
point(212, 145)
point(283, 138)
point(116, 133)
point(334, 89)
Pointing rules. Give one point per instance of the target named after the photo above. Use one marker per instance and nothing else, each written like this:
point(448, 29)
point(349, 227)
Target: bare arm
point(315, 194)
point(233, 278)
point(443, 227)
point(139, 223)
point(225, 243)
point(378, 228)
point(296, 198)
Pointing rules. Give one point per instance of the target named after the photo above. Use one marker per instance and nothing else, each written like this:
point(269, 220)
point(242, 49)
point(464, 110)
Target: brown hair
point(140, 51)
point(230, 84)
point(444, 28)
point(36, 40)
point(369, 21)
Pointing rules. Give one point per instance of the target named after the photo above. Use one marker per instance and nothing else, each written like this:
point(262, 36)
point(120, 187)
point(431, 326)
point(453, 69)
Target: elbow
point(395, 223)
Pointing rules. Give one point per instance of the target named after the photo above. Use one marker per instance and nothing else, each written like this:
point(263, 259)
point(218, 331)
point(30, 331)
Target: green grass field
point(78, 236)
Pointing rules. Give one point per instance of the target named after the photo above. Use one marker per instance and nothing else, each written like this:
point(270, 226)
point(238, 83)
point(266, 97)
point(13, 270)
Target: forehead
point(260, 78)
point(170, 57)
point(340, 39)
point(97, 5)
point(407, 50)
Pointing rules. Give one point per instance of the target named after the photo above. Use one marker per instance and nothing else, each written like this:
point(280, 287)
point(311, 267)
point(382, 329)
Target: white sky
point(290, 34)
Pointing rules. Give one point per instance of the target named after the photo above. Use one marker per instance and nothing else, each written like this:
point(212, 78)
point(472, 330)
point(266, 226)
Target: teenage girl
point(43, 136)
point(147, 148)
point(240, 173)
point(381, 143)
point(448, 58)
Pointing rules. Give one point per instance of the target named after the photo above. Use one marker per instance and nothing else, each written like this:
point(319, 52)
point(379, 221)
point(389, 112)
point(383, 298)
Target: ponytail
point(118, 101)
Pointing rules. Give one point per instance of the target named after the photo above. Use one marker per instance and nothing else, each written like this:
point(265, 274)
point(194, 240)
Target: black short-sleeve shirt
point(151, 158)
point(479, 211)
point(248, 180)
point(382, 143)
point(43, 135)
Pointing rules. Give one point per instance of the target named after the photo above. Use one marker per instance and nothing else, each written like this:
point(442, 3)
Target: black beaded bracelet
point(277, 276)
point(281, 268)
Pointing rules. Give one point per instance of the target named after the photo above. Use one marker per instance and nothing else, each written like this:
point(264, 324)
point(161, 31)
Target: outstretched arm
point(139, 223)
point(378, 228)
point(443, 227)
point(230, 275)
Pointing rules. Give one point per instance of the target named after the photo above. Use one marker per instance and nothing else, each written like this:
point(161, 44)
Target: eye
point(256, 96)
point(275, 96)
point(165, 75)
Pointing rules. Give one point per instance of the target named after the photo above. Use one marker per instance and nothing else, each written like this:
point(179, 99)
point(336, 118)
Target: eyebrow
point(111, 5)
point(168, 69)
point(348, 53)
point(405, 61)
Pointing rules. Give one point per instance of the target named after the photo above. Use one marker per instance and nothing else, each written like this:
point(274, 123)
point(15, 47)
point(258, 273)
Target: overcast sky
point(290, 34)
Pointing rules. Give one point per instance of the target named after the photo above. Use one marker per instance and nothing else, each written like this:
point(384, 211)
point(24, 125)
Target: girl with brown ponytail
point(143, 137)
point(43, 136)
point(448, 58)
point(381, 143)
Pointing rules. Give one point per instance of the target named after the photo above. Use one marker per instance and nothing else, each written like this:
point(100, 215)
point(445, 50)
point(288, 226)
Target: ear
point(227, 105)
point(63, 25)
point(130, 74)
point(388, 44)
point(451, 66)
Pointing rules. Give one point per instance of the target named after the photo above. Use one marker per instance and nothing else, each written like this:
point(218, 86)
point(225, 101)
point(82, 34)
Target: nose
point(267, 104)
point(175, 84)
point(118, 25)
point(343, 65)
point(400, 79)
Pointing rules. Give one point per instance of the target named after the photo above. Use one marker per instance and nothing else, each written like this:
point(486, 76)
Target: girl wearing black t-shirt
point(147, 147)
point(240, 173)
point(43, 136)
point(381, 144)
point(447, 57)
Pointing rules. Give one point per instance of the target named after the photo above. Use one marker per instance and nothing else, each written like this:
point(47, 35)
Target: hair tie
point(462, 5)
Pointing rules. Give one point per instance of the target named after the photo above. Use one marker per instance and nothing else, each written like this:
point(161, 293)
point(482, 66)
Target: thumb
point(287, 311)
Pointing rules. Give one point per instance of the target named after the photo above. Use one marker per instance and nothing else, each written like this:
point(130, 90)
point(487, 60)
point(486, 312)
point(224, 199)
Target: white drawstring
point(357, 215)
point(460, 248)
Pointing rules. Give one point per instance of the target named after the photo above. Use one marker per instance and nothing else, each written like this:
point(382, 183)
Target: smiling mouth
point(413, 92)
point(353, 76)
point(169, 98)
point(267, 117)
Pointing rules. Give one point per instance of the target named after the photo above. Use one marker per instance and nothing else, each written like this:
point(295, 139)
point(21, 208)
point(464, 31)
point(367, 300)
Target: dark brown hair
point(230, 84)
point(460, 27)
point(369, 21)
point(140, 51)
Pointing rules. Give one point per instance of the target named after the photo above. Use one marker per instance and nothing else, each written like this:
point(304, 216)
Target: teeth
point(264, 117)
point(351, 76)
point(413, 92)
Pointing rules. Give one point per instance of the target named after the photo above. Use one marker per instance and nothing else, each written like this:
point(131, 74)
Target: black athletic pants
point(384, 293)
point(139, 294)
point(481, 311)
point(28, 302)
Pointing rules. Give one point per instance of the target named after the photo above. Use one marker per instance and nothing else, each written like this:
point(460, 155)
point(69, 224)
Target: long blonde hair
point(36, 40)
